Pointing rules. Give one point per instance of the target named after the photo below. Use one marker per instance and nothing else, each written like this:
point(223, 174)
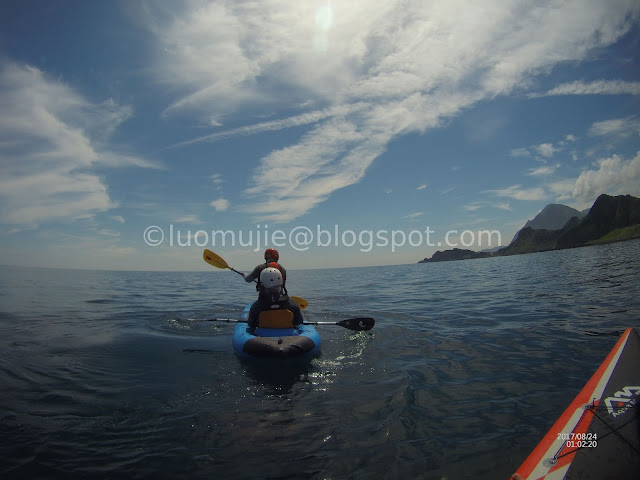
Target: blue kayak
point(301, 342)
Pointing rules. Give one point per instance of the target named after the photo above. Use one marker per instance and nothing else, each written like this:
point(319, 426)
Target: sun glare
point(324, 22)
point(324, 17)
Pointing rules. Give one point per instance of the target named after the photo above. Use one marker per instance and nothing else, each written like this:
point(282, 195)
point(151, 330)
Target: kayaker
point(271, 257)
point(273, 308)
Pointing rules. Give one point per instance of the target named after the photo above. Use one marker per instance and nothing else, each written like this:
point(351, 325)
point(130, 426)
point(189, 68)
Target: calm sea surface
point(118, 375)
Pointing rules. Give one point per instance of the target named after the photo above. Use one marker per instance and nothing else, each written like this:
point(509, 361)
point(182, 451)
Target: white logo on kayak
point(621, 400)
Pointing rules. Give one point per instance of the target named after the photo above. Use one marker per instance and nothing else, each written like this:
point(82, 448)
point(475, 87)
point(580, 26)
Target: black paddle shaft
point(357, 324)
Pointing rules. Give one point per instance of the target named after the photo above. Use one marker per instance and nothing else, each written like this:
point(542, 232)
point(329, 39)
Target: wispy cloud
point(51, 141)
point(472, 207)
point(273, 125)
point(613, 175)
point(517, 192)
point(187, 219)
point(520, 152)
point(291, 181)
point(109, 233)
point(619, 127)
point(414, 215)
point(422, 187)
point(543, 171)
point(381, 70)
point(217, 181)
point(216, 178)
point(544, 151)
point(599, 87)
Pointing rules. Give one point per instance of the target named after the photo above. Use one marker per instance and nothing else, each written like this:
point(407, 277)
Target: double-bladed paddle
point(217, 261)
point(357, 324)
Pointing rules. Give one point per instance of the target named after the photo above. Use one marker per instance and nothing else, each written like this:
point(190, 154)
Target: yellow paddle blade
point(213, 259)
point(302, 303)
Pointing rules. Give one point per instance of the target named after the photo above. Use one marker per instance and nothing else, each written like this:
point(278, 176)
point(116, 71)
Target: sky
point(343, 133)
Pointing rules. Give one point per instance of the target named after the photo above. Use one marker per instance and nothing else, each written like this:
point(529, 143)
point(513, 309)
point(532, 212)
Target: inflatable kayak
point(598, 435)
point(300, 342)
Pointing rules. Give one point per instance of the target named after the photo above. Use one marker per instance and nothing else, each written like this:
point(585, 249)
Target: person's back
point(274, 308)
point(271, 257)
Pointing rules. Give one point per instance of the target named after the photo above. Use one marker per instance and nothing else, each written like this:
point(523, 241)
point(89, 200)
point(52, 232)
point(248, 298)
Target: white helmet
point(271, 277)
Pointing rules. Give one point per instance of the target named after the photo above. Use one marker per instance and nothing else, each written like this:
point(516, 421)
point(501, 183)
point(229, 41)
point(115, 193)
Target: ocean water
point(119, 375)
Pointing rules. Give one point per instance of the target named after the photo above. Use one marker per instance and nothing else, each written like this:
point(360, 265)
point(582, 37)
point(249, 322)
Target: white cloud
point(188, 219)
point(291, 181)
point(369, 72)
point(613, 176)
point(518, 193)
point(520, 152)
point(472, 207)
point(562, 189)
point(414, 215)
point(108, 233)
point(220, 204)
point(545, 149)
point(599, 87)
point(118, 218)
point(216, 178)
point(51, 140)
point(422, 187)
point(620, 127)
point(274, 125)
point(543, 171)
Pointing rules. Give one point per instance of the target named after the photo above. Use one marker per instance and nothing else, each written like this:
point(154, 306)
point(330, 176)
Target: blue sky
point(406, 127)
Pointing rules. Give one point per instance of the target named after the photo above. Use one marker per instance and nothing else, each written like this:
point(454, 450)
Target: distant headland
point(556, 227)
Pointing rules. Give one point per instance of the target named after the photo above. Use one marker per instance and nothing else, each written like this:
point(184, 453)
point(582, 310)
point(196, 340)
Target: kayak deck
point(598, 435)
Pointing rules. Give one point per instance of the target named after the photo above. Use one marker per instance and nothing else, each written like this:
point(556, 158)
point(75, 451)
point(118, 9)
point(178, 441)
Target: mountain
point(552, 217)
point(607, 218)
point(607, 215)
point(530, 240)
point(610, 219)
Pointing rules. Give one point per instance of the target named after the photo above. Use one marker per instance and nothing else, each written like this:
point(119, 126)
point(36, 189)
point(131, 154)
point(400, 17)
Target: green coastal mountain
point(610, 219)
